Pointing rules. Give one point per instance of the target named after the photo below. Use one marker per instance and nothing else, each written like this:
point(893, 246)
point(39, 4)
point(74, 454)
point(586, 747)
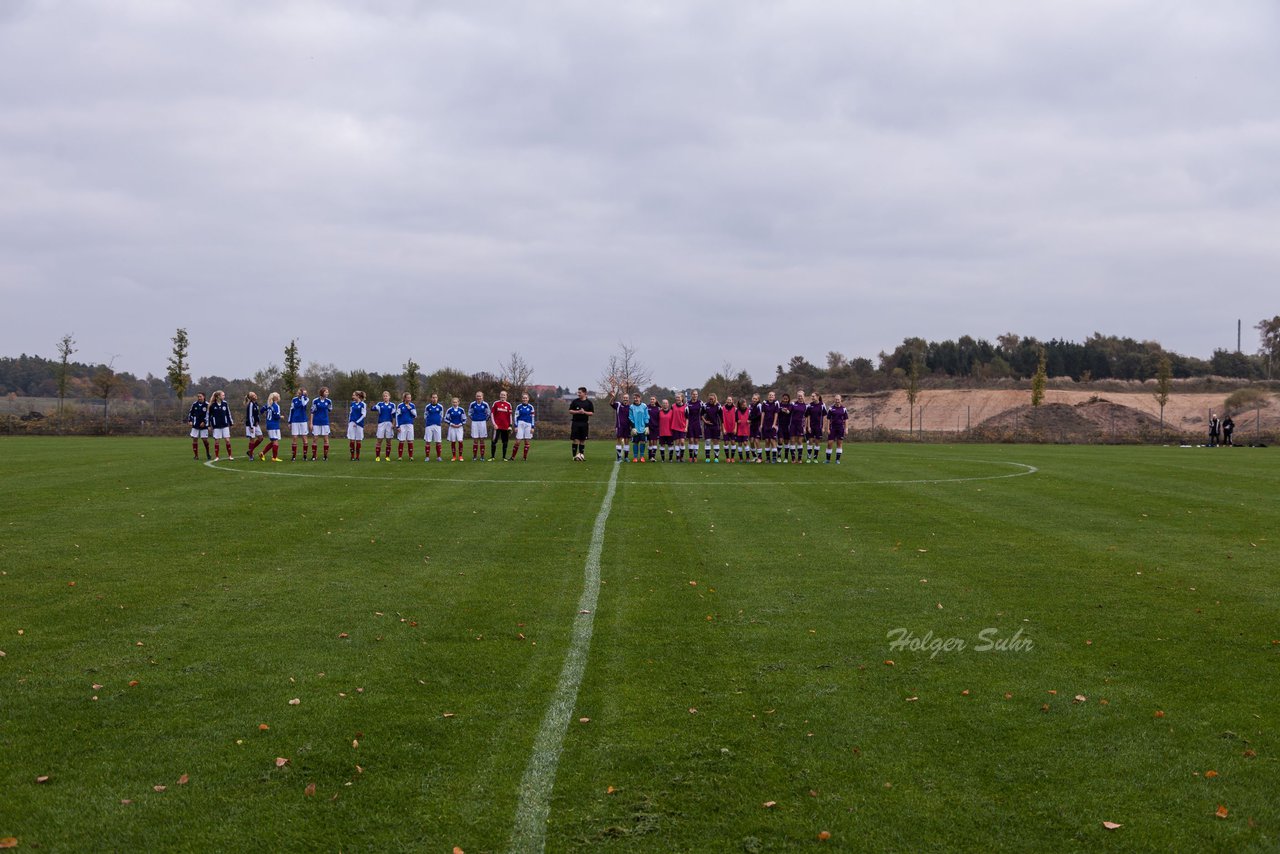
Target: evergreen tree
point(179, 367)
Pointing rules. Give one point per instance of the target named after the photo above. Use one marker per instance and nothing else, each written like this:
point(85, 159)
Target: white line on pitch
point(529, 833)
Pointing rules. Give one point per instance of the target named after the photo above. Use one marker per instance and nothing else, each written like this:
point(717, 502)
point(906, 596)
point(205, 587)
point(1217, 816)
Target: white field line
point(1023, 470)
point(529, 832)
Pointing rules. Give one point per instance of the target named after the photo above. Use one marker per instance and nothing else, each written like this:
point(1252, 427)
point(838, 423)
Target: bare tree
point(66, 347)
point(625, 372)
point(1164, 376)
point(105, 382)
point(515, 372)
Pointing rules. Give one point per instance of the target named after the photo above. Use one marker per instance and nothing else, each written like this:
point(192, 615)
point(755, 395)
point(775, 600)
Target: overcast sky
point(710, 181)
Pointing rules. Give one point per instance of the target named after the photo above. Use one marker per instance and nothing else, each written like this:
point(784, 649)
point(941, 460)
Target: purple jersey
point(836, 418)
point(621, 419)
point(769, 412)
point(797, 418)
point(654, 411)
point(694, 410)
point(815, 411)
point(712, 419)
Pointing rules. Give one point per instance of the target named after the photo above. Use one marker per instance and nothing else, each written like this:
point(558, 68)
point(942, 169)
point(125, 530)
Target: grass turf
point(420, 614)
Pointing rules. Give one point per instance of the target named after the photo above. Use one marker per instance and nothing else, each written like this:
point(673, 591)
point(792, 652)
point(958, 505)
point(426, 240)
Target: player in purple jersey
point(837, 416)
point(712, 418)
point(797, 427)
point(753, 427)
point(621, 424)
point(770, 410)
point(814, 412)
point(694, 410)
point(654, 411)
point(784, 428)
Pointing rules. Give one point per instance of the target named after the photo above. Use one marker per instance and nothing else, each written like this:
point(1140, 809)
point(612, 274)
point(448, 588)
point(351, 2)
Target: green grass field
point(740, 692)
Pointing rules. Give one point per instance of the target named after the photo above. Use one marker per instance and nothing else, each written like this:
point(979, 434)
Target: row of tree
point(1099, 357)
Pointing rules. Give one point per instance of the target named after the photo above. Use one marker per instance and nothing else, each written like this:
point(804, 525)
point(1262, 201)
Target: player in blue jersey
point(298, 424)
point(252, 422)
point(524, 425)
point(198, 418)
point(320, 409)
point(386, 428)
point(355, 424)
point(406, 414)
point(433, 421)
point(479, 412)
point(220, 422)
point(456, 417)
point(271, 414)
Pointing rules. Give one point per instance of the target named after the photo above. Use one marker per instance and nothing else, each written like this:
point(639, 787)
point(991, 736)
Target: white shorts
point(455, 434)
point(355, 432)
point(197, 433)
point(297, 428)
point(253, 432)
point(479, 429)
point(386, 430)
point(319, 429)
point(524, 430)
point(405, 432)
point(431, 433)
point(222, 432)
point(273, 435)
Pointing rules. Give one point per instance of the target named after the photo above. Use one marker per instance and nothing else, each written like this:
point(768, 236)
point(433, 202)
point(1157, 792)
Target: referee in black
point(580, 411)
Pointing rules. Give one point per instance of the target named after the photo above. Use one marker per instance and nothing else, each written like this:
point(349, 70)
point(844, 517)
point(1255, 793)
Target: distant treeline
point(970, 360)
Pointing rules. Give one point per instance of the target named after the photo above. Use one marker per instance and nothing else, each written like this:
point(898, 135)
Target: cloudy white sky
point(713, 182)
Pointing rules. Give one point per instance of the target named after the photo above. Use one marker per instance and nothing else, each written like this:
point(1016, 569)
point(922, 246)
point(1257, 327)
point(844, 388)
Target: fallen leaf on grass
point(1008, 696)
point(1111, 825)
point(263, 727)
point(1044, 707)
point(95, 686)
point(610, 790)
point(355, 742)
point(125, 801)
point(159, 788)
point(1080, 698)
point(359, 770)
point(1209, 775)
point(43, 778)
point(964, 693)
point(1250, 753)
point(183, 780)
point(1221, 811)
point(912, 699)
point(134, 683)
point(343, 636)
point(1053, 692)
point(584, 720)
point(309, 790)
point(295, 702)
point(448, 714)
point(888, 662)
point(693, 711)
point(9, 842)
point(769, 804)
point(1159, 714)
point(457, 850)
point(281, 762)
point(824, 835)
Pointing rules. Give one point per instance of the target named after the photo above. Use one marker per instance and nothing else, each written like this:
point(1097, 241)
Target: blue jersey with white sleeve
point(386, 411)
point(272, 412)
point(524, 413)
point(479, 410)
point(358, 410)
point(456, 416)
point(298, 409)
point(433, 414)
point(406, 413)
point(320, 408)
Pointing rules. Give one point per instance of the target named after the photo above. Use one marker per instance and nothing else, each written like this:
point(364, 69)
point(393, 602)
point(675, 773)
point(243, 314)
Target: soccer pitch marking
point(529, 832)
point(1023, 470)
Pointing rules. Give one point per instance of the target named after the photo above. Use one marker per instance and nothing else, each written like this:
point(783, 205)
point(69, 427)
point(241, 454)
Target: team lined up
point(786, 430)
point(309, 419)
